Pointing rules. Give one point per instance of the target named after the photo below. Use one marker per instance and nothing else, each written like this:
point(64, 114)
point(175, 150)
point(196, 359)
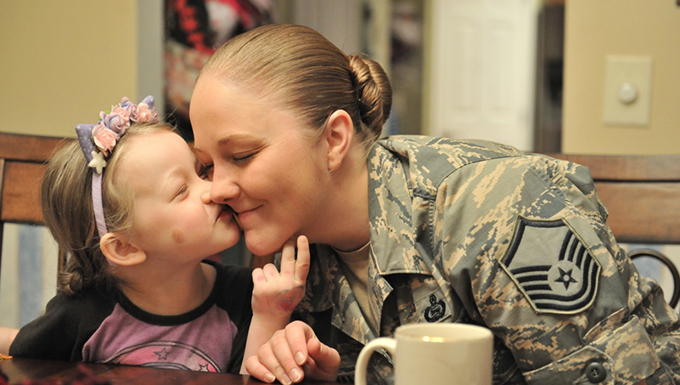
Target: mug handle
point(389, 344)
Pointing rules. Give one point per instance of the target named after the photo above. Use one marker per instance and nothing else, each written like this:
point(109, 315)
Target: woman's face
point(262, 165)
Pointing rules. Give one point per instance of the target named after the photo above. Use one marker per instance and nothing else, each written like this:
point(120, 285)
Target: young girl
point(136, 216)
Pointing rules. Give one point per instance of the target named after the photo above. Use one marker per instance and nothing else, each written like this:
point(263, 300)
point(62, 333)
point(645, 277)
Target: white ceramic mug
point(442, 353)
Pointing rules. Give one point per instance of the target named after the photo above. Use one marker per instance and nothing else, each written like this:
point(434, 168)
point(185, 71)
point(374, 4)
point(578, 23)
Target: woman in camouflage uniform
point(414, 229)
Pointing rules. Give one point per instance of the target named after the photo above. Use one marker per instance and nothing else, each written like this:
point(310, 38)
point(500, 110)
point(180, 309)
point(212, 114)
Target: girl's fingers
point(288, 258)
point(270, 272)
point(303, 259)
point(258, 276)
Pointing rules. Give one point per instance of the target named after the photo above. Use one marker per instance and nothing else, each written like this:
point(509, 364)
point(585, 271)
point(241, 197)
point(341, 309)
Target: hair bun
point(374, 93)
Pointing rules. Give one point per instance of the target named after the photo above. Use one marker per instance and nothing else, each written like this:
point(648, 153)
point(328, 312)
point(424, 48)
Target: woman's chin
point(260, 244)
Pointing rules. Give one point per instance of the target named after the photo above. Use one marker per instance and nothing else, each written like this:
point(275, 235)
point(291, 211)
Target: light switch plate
point(628, 90)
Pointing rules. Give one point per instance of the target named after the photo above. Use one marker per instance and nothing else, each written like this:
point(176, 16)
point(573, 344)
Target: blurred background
point(539, 75)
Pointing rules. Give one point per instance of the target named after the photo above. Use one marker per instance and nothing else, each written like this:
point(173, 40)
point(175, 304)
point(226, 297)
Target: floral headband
point(98, 141)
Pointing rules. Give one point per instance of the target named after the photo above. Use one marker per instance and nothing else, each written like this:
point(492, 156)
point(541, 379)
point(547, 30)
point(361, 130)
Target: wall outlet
point(628, 90)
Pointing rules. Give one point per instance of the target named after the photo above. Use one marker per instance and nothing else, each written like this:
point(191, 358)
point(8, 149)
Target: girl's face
point(174, 216)
point(261, 164)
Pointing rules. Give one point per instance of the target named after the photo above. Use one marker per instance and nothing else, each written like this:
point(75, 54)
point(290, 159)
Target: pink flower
point(113, 121)
point(121, 110)
point(113, 125)
point(131, 108)
point(104, 138)
point(146, 115)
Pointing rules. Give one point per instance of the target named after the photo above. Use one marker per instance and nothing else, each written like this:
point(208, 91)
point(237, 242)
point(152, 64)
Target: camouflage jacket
point(480, 233)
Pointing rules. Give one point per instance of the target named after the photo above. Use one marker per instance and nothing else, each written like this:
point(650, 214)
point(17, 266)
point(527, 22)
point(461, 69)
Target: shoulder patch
point(552, 267)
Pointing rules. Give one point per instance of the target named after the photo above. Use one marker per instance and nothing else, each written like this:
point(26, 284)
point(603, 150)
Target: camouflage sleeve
point(527, 250)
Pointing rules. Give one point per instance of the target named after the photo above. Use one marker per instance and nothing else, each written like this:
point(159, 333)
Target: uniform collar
point(399, 236)
point(328, 289)
point(399, 213)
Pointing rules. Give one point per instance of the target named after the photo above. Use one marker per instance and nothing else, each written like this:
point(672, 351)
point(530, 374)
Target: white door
point(481, 70)
point(338, 20)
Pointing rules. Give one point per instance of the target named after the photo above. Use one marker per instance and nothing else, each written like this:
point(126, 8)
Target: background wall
point(54, 56)
point(62, 62)
point(596, 29)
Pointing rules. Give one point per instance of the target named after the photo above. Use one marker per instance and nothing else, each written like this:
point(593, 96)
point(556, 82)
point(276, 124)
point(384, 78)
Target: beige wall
point(62, 62)
point(595, 29)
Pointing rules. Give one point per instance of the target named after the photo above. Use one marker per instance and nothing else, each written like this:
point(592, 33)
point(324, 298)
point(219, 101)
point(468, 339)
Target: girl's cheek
point(178, 235)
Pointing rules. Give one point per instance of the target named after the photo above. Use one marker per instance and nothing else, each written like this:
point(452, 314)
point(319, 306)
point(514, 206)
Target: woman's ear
point(119, 251)
point(339, 133)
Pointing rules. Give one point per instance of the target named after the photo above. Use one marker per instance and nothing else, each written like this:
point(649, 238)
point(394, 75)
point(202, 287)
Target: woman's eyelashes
point(250, 152)
point(241, 158)
point(206, 171)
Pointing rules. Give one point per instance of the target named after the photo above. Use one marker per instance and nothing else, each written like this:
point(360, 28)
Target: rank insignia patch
point(552, 267)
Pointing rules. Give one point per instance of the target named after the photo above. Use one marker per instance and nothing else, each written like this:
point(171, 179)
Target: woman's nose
point(223, 188)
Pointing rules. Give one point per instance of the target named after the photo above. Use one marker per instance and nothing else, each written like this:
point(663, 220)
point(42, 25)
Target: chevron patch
point(552, 267)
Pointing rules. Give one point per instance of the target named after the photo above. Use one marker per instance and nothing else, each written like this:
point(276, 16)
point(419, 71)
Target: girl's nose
point(205, 186)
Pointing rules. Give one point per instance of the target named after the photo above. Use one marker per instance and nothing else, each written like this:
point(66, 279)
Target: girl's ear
point(339, 134)
point(119, 251)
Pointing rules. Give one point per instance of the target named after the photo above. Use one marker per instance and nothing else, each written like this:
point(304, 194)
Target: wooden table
point(20, 369)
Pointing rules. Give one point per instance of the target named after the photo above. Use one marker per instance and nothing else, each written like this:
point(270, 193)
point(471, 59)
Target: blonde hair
point(66, 198)
point(299, 68)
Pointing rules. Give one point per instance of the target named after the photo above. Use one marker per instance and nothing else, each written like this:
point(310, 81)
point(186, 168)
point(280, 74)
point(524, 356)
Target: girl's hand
point(293, 354)
point(277, 294)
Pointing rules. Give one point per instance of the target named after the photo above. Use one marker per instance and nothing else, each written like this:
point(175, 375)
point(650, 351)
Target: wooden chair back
point(642, 196)
point(22, 165)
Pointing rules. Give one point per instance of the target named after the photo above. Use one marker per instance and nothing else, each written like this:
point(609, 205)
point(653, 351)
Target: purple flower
point(113, 125)
point(117, 121)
